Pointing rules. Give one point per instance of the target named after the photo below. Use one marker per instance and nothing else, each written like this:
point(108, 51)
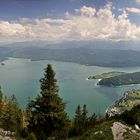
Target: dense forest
point(45, 117)
point(82, 55)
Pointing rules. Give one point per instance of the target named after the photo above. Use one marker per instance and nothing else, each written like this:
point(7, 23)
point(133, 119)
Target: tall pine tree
point(47, 116)
point(78, 123)
point(1, 98)
point(84, 117)
point(81, 121)
point(10, 114)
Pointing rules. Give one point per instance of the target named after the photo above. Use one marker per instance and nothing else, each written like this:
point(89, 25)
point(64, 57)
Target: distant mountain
point(119, 45)
point(109, 54)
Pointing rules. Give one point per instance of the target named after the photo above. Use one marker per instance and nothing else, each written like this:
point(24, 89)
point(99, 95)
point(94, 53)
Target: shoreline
point(82, 64)
point(120, 105)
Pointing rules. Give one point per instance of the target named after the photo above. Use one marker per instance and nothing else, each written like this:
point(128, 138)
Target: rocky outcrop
point(7, 135)
point(123, 132)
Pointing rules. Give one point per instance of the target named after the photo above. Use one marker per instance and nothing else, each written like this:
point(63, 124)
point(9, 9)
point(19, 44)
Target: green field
point(107, 75)
point(135, 95)
point(99, 132)
point(130, 99)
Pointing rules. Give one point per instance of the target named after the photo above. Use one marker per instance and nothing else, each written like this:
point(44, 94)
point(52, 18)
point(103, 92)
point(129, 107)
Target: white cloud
point(138, 1)
point(133, 10)
point(86, 11)
point(87, 23)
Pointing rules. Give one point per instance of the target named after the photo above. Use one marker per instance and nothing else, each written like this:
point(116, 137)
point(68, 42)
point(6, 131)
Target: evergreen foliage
point(92, 120)
point(84, 114)
point(132, 116)
point(77, 121)
point(1, 95)
point(81, 121)
point(31, 137)
point(47, 117)
point(1, 101)
point(10, 114)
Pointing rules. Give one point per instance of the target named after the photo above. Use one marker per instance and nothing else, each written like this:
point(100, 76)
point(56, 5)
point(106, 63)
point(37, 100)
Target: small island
point(127, 102)
point(123, 79)
point(106, 75)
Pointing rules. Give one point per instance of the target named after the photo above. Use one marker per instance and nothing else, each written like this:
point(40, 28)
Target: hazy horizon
point(72, 20)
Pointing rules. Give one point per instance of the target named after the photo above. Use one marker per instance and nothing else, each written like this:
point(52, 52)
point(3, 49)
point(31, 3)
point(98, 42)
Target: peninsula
point(123, 79)
point(106, 75)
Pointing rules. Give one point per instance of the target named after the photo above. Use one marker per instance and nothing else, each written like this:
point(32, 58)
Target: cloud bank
point(87, 23)
point(138, 1)
point(133, 10)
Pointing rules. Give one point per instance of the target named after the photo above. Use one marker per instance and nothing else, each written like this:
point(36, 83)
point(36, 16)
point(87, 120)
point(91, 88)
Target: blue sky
point(13, 9)
point(62, 20)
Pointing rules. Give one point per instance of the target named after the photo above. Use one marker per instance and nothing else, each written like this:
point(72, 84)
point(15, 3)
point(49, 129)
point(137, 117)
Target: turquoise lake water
point(21, 77)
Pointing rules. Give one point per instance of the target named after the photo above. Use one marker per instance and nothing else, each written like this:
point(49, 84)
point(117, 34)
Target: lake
point(21, 77)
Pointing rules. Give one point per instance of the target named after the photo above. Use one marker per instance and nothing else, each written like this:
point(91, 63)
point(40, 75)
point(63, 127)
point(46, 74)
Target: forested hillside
point(85, 56)
point(125, 79)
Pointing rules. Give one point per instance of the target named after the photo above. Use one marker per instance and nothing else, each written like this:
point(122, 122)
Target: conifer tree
point(84, 117)
point(84, 113)
point(78, 121)
point(78, 114)
point(47, 116)
point(81, 121)
point(1, 99)
point(92, 120)
point(1, 95)
point(1, 105)
point(10, 114)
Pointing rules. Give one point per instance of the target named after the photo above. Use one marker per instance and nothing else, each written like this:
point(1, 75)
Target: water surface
point(21, 77)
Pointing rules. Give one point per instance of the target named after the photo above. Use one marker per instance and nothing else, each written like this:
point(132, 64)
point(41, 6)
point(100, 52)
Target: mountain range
point(97, 53)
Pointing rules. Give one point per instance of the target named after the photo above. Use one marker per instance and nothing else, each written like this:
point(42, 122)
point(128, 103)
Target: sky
point(68, 20)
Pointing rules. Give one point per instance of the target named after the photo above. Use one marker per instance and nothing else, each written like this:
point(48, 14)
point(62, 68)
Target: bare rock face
point(123, 132)
point(118, 131)
point(7, 135)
